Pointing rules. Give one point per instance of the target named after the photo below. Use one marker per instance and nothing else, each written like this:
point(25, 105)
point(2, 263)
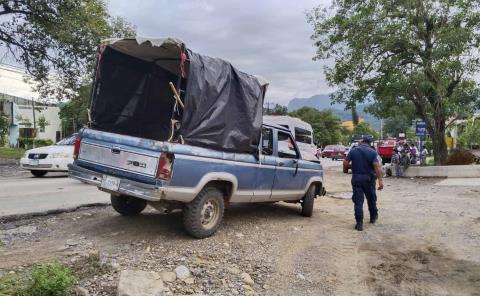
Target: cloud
point(270, 38)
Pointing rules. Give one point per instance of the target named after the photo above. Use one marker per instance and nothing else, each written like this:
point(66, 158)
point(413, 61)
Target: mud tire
point(307, 202)
point(203, 215)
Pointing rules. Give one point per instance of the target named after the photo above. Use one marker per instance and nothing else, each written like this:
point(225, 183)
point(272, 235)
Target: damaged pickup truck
point(178, 130)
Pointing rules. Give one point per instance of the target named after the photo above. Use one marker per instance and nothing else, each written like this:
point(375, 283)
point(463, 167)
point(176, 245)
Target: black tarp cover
point(223, 106)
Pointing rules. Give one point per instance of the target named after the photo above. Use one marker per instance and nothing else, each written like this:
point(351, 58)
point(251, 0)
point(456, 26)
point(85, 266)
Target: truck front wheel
point(203, 215)
point(128, 205)
point(307, 202)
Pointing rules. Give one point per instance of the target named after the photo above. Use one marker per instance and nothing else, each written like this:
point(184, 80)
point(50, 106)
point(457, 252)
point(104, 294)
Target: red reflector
point(164, 170)
point(76, 147)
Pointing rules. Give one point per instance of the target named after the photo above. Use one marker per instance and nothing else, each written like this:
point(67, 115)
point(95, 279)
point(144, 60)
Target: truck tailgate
point(120, 152)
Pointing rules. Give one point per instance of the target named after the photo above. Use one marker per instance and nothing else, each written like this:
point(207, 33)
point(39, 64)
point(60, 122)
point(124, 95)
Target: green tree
point(4, 124)
point(326, 125)
point(74, 113)
point(57, 38)
point(470, 134)
point(276, 110)
point(396, 124)
point(365, 129)
point(423, 53)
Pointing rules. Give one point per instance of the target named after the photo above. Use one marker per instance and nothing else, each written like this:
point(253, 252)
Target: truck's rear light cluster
point(165, 163)
point(76, 147)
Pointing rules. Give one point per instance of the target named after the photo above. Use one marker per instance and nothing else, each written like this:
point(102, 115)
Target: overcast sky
point(270, 38)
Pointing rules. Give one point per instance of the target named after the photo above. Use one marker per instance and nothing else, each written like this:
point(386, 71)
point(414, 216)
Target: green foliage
point(470, 134)
point(364, 128)
point(53, 279)
point(325, 124)
point(4, 124)
point(27, 143)
point(57, 37)
point(42, 122)
point(276, 110)
point(397, 123)
point(11, 153)
point(74, 114)
point(9, 285)
point(421, 55)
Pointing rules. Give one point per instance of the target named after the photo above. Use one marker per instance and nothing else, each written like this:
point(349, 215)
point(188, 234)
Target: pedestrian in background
point(413, 154)
point(396, 163)
point(365, 170)
point(404, 162)
point(423, 155)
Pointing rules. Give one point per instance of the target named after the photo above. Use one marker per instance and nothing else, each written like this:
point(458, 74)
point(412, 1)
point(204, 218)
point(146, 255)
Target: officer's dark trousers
point(364, 185)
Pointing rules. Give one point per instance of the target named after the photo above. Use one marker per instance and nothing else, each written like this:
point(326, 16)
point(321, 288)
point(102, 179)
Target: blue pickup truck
point(125, 152)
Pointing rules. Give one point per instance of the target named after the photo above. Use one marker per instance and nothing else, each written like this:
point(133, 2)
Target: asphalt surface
point(26, 195)
point(23, 194)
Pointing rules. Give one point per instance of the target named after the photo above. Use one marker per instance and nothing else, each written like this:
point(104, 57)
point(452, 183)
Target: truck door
point(266, 170)
point(287, 181)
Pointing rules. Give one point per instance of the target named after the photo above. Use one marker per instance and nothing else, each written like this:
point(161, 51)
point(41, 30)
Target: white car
point(55, 158)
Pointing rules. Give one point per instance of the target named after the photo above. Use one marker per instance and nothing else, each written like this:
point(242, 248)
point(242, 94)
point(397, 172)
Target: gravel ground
point(425, 243)
point(11, 168)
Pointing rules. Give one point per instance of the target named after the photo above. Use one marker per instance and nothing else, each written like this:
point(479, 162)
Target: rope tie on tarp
point(183, 58)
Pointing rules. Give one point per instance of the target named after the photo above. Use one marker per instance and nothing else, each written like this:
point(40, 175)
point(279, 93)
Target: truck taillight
point(165, 162)
point(76, 147)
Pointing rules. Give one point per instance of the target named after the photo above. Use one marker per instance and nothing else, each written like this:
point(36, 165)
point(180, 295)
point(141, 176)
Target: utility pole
point(381, 128)
point(34, 124)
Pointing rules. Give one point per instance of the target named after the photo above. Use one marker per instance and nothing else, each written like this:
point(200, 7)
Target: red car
point(334, 152)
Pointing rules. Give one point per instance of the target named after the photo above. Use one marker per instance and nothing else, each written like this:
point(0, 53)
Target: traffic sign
point(420, 129)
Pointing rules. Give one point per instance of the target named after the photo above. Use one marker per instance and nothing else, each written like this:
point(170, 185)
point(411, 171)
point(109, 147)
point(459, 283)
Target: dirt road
point(425, 243)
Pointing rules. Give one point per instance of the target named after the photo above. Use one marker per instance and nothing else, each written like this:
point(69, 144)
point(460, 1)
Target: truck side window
point(286, 146)
point(267, 141)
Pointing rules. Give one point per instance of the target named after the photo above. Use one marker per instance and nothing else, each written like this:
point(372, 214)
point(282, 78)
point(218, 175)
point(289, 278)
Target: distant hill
point(322, 102)
point(319, 102)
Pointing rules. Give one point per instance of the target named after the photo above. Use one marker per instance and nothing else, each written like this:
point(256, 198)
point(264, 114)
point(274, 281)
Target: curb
point(16, 217)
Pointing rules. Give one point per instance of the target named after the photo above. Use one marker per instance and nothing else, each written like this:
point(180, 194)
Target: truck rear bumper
point(127, 187)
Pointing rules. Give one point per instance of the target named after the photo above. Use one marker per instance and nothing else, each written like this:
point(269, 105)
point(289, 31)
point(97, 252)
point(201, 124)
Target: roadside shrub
point(460, 157)
point(53, 279)
point(28, 142)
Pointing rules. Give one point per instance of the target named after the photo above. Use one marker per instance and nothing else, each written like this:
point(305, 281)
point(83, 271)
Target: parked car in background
point(328, 151)
point(301, 131)
point(54, 158)
point(339, 152)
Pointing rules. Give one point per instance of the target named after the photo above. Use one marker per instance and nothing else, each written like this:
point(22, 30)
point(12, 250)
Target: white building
point(17, 100)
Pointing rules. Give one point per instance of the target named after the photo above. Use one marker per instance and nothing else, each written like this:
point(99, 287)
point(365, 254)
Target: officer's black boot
point(373, 218)
point(359, 225)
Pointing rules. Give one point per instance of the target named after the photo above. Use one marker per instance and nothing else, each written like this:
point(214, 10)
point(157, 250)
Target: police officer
point(365, 170)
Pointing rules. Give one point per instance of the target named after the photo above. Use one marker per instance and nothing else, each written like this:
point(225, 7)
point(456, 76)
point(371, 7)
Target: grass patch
point(11, 153)
point(52, 279)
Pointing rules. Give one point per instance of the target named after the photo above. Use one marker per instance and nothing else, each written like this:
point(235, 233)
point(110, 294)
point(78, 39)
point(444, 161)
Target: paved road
point(23, 195)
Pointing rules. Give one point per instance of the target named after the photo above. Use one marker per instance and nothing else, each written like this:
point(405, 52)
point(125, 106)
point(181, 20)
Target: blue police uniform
point(363, 158)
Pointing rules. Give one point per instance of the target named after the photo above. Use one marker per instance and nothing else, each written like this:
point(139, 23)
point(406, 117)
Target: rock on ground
point(182, 272)
point(140, 283)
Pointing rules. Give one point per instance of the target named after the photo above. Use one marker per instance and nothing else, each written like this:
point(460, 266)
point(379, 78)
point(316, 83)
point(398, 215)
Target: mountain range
point(323, 102)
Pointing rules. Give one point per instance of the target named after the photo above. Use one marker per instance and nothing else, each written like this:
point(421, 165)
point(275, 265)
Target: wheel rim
point(210, 214)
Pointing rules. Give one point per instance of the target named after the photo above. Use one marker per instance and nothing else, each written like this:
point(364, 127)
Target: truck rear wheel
point(307, 202)
point(127, 205)
point(203, 216)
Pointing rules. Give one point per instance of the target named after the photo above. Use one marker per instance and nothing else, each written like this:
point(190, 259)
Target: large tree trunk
point(355, 118)
point(440, 152)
